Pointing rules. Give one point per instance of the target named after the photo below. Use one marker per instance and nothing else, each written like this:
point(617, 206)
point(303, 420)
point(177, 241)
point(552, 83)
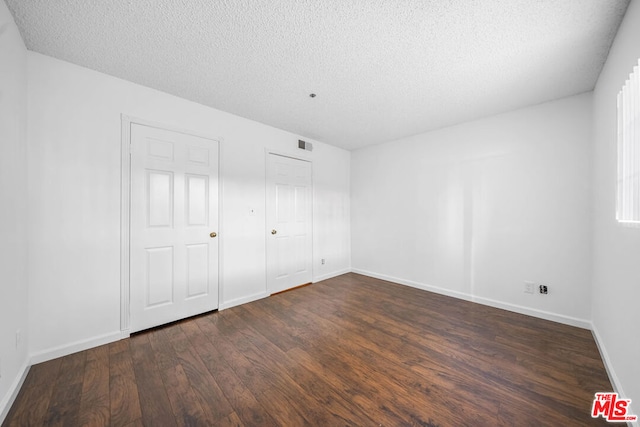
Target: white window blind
point(628, 198)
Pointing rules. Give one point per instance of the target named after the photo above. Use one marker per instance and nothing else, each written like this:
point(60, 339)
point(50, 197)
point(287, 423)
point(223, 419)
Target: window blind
point(628, 197)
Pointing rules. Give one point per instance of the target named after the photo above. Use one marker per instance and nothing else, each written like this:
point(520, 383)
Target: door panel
point(197, 270)
point(197, 199)
point(159, 269)
point(289, 258)
point(300, 253)
point(160, 198)
point(174, 208)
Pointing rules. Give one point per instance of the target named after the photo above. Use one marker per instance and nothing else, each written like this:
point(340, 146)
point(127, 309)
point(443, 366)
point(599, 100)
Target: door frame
point(296, 156)
point(125, 211)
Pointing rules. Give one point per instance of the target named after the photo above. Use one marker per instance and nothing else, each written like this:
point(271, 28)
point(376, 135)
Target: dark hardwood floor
point(347, 351)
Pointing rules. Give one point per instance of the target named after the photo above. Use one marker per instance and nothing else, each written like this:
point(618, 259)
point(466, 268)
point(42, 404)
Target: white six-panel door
point(174, 221)
point(289, 223)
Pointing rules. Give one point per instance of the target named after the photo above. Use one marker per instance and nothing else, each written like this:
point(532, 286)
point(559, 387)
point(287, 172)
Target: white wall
point(74, 195)
point(616, 249)
point(13, 207)
point(476, 209)
point(332, 234)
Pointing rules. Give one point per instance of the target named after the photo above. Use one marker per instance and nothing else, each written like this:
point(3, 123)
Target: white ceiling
point(382, 69)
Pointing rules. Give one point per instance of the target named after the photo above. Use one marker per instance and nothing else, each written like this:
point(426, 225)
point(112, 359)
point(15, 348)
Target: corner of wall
point(13, 215)
point(14, 389)
point(614, 268)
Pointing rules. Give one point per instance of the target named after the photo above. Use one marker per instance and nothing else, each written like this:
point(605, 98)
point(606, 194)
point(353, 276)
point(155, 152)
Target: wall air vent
point(303, 145)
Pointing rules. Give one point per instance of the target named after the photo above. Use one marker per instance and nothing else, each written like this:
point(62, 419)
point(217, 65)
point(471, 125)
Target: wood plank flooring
point(347, 351)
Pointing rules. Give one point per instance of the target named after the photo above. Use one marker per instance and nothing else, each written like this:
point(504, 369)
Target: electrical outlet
point(322, 261)
point(529, 287)
point(18, 338)
point(543, 289)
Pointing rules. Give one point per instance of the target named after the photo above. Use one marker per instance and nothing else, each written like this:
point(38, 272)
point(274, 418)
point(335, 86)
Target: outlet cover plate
point(529, 287)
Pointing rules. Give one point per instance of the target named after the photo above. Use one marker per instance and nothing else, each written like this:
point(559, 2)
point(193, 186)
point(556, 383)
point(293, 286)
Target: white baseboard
point(555, 317)
point(546, 315)
point(260, 295)
point(608, 365)
point(331, 275)
point(64, 350)
point(12, 393)
point(423, 286)
point(243, 300)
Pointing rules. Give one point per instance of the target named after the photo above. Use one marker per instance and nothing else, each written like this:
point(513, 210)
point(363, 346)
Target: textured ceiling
point(381, 69)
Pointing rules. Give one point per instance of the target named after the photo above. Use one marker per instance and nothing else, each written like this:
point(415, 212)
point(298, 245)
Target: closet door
point(289, 223)
point(174, 222)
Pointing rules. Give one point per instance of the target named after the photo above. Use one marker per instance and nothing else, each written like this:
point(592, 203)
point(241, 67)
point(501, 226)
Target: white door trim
point(291, 154)
point(296, 156)
point(125, 212)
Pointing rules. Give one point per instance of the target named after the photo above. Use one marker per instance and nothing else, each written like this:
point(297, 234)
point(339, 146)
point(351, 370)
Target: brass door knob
point(273, 231)
point(213, 234)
